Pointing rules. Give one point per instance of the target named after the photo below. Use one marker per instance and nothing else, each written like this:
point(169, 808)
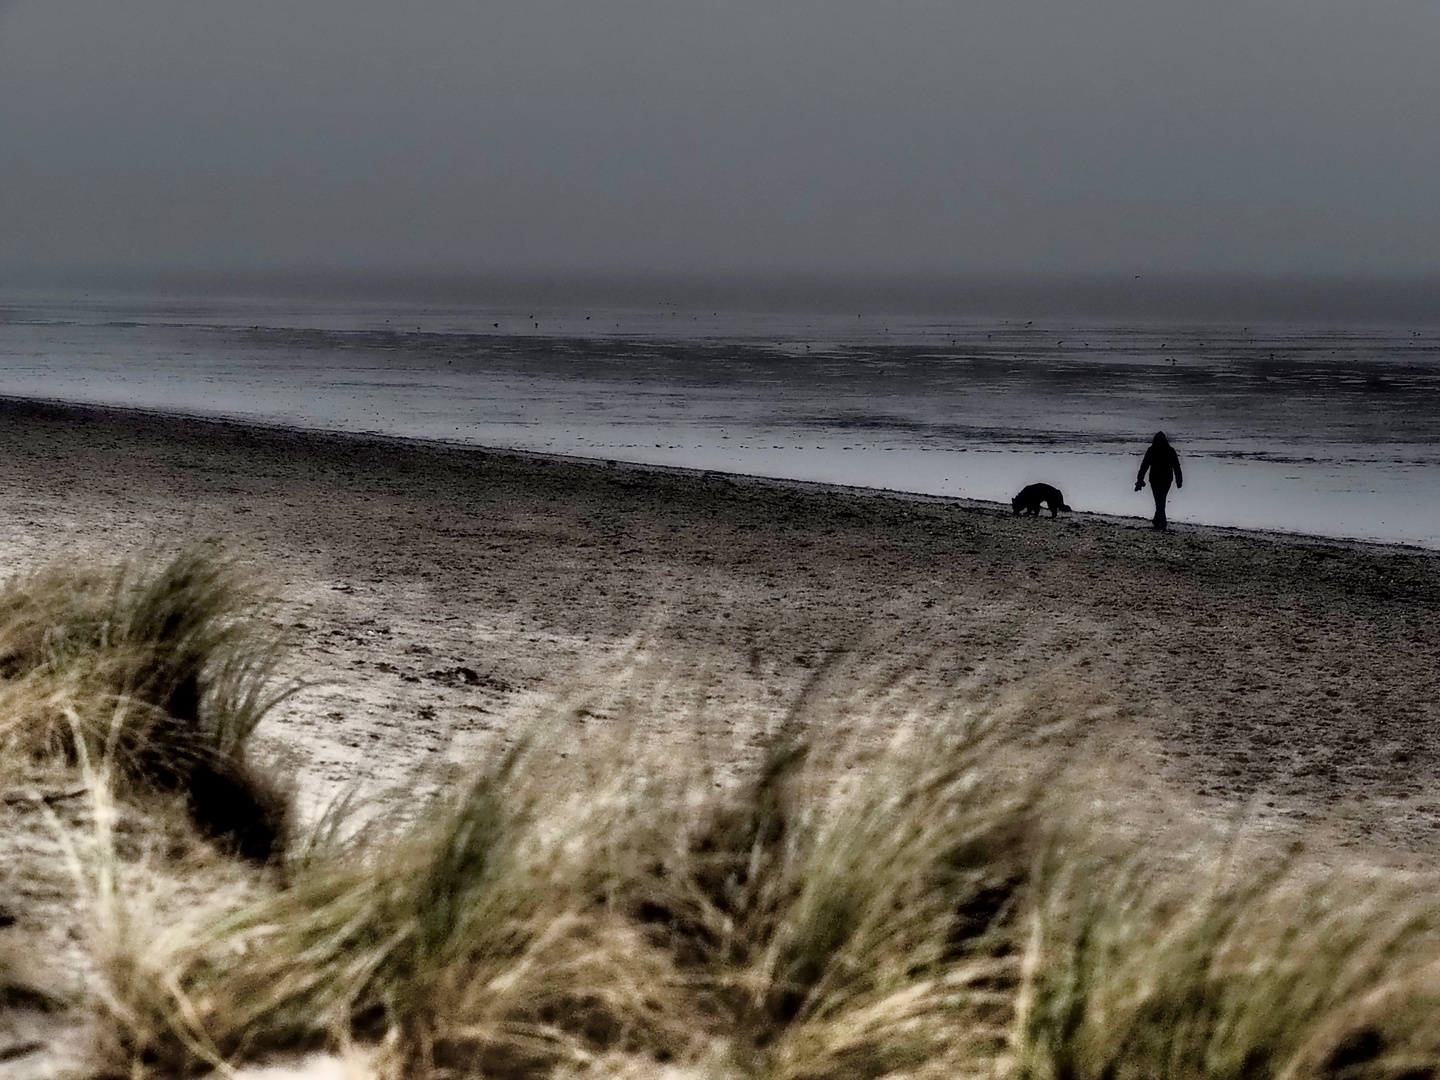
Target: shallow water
point(1327, 430)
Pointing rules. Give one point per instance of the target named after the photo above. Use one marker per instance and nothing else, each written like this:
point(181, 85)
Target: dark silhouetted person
point(1163, 466)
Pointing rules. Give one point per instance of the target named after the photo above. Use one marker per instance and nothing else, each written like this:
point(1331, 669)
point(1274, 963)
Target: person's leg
point(1160, 491)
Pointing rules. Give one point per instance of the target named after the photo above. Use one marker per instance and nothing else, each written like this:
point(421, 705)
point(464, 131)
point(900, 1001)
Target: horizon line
point(1405, 297)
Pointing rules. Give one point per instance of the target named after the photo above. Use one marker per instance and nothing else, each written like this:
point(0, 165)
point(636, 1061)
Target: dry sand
point(441, 593)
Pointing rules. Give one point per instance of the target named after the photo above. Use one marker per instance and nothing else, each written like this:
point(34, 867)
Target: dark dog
point(1030, 498)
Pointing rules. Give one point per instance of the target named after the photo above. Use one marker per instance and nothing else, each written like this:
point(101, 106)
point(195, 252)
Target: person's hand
point(1139, 484)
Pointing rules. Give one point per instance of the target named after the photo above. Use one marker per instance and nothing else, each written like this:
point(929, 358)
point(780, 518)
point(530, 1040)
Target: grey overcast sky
point(808, 135)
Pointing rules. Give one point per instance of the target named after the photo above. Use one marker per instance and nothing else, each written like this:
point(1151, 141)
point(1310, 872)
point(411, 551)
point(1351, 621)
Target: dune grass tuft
point(853, 899)
point(884, 890)
point(1227, 971)
point(583, 900)
point(468, 940)
point(165, 667)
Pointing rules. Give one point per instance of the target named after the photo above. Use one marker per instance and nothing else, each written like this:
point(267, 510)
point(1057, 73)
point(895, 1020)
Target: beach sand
point(438, 596)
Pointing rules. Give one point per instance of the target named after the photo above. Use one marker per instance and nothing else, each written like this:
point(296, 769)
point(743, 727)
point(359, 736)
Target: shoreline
point(240, 423)
point(440, 595)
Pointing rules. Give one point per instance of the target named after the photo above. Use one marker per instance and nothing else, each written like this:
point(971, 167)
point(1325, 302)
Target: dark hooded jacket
point(1163, 464)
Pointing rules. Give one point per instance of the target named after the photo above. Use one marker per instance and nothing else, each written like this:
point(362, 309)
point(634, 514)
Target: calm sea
point(1324, 429)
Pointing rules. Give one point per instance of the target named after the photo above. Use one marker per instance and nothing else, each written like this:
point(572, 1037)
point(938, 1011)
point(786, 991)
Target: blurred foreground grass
point(883, 891)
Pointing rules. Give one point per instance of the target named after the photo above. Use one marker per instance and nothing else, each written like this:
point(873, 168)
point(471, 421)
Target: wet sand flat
point(437, 595)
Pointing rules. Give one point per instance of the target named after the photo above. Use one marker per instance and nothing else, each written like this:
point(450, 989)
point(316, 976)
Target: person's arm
point(1144, 464)
point(1179, 476)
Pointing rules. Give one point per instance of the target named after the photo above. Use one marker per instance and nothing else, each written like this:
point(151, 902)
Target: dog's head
point(1015, 504)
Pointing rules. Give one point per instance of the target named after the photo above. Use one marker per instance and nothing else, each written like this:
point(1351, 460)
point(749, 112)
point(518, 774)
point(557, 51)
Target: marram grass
point(889, 888)
point(163, 667)
point(1261, 969)
point(894, 918)
point(812, 921)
